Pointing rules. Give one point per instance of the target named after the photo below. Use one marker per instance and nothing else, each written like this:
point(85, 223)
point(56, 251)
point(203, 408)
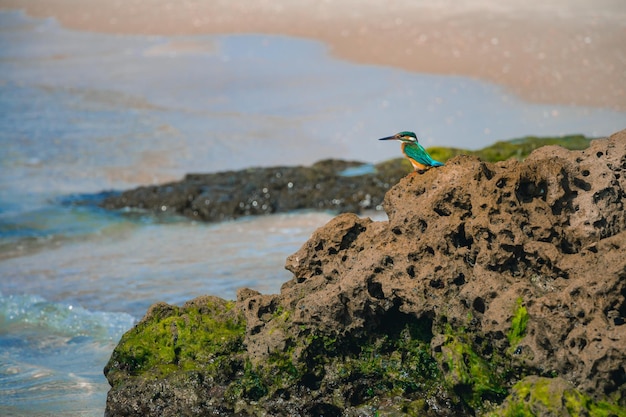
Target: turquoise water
point(81, 113)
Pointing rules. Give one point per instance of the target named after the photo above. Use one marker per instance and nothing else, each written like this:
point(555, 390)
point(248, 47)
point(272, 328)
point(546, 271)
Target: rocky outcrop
point(335, 185)
point(488, 283)
point(340, 186)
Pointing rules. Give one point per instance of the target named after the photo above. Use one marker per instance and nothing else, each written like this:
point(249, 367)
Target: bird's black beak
point(388, 138)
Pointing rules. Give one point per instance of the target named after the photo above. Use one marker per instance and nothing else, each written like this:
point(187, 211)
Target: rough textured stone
point(484, 275)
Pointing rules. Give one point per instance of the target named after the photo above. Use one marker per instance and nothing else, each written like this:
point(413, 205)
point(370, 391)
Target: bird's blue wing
point(418, 153)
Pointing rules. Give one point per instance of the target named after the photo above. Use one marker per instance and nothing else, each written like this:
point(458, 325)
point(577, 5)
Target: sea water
point(83, 113)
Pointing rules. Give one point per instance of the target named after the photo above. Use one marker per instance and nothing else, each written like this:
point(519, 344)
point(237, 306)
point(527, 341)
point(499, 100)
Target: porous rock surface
point(515, 269)
point(472, 238)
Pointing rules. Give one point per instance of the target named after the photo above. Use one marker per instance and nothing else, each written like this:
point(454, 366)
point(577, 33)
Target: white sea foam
point(52, 355)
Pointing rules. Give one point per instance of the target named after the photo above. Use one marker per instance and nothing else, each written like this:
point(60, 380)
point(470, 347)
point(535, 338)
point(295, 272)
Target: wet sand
point(561, 52)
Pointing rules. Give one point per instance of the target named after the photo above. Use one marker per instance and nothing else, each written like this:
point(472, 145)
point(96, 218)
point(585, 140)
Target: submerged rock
point(490, 287)
point(340, 186)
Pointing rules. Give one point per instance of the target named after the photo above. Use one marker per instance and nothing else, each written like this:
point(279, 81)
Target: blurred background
point(99, 95)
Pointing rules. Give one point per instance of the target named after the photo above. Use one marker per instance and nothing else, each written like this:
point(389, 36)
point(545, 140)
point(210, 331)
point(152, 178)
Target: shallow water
point(124, 265)
point(81, 113)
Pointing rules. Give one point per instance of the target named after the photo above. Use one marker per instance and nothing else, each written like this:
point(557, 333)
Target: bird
point(411, 148)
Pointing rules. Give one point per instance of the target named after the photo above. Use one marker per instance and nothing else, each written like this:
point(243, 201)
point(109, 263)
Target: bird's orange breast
point(416, 165)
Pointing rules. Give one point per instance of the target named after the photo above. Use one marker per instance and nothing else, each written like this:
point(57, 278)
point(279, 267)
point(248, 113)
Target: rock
point(547, 397)
point(335, 185)
point(183, 354)
point(488, 283)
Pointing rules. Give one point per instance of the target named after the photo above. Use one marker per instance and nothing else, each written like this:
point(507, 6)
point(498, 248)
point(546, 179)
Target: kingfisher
point(411, 148)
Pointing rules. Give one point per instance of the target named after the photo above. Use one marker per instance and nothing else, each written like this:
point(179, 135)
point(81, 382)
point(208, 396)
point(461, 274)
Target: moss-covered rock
point(549, 397)
point(204, 335)
point(174, 355)
point(515, 148)
point(518, 324)
point(473, 377)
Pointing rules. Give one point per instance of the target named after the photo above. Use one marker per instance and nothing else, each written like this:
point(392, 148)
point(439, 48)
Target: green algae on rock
point(201, 335)
point(175, 352)
point(476, 379)
point(515, 148)
point(536, 396)
point(518, 324)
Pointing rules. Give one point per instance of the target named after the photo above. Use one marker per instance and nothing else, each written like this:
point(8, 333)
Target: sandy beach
point(561, 52)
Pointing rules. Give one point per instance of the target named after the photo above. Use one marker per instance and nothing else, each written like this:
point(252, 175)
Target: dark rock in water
point(340, 186)
point(493, 289)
